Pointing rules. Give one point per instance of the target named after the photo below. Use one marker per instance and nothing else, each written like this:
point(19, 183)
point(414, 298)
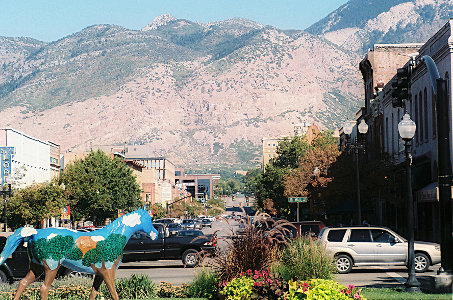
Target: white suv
point(374, 245)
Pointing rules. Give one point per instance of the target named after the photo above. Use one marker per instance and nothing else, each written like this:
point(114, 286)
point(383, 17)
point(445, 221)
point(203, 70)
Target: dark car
point(17, 266)
point(173, 228)
point(307, 228)
point(206, 223)
point(186, 245)
point(192, 233)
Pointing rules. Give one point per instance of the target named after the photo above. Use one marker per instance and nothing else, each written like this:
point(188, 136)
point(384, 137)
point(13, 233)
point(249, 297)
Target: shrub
point(256, 248)
point(321, 289)
point(167, 290)
point(204, 284)
point(304, 259)
point(135, 287)
point(238, 288)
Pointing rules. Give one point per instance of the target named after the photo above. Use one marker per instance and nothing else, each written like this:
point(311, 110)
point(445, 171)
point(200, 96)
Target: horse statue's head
point(147, 222)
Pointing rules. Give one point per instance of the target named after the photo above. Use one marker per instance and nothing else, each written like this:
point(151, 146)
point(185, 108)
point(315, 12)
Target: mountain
point(358, 24)
point(197, 93)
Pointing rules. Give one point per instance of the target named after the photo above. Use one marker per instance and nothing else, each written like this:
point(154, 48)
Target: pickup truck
point(183, 245)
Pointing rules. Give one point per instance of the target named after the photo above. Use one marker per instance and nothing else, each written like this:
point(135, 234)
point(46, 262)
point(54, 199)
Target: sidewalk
point(385, 277)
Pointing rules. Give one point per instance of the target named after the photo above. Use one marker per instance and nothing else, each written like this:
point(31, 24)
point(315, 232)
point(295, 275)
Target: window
point(420, 118)
point(433, 113)
point(360, 235)
point(382, 236)
point(425, 113)
point(387, 135)
point(416, 119)
point(336, 235)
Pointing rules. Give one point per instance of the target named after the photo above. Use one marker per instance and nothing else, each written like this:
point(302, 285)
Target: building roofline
point(28, 136)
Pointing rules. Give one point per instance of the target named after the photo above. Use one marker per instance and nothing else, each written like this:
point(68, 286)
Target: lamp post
point(362, 129)
point(406, 129)
point(9, 181)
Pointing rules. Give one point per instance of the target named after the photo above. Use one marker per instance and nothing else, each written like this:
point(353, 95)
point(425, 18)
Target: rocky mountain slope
point(358, 24)
point(198, 93)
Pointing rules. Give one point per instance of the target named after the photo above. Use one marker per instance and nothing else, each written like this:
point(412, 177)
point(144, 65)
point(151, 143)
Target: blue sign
point(6, 154)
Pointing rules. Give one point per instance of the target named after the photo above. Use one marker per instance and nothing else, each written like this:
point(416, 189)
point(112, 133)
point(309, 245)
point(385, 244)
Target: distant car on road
point(206, 223)
point(173, 228)
point(191, 224)
point(374, 245)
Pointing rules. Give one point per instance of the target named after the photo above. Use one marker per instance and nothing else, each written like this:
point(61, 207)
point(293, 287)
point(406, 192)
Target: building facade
point(200, 186)
point(270, 144)
point(34, 161)
point(378, 69)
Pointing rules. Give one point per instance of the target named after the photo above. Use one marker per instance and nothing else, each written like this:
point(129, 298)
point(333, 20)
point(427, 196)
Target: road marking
point(394, 275)
point(397, 277)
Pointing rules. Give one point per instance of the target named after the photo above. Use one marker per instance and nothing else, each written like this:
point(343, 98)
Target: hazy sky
point(50, 20)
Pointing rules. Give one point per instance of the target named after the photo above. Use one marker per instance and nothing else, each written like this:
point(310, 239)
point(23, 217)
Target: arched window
point(433, 113)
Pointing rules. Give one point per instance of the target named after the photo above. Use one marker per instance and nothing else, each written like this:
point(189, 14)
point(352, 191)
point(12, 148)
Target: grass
point(388, 294)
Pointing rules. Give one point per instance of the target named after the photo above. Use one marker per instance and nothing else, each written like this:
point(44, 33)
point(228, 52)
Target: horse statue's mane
point(98, 252)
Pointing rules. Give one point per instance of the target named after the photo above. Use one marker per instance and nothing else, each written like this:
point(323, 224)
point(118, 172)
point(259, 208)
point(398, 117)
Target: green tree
point(250, 179)
point(97, 186)
point(35, 203)
point(270, 185)
point(290, 151)
point(228, 186)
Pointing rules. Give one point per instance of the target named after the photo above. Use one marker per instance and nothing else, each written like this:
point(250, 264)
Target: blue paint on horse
point(122, 228)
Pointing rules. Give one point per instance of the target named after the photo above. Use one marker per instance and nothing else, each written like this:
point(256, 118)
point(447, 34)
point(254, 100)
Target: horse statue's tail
point(14, 240)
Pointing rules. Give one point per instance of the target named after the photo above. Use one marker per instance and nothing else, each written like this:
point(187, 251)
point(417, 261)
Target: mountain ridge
point(198, 93)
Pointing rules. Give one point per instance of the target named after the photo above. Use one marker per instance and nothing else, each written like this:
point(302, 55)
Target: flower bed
point(265, 285)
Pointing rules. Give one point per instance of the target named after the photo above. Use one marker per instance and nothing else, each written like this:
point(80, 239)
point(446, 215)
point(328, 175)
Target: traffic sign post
point(297, 200)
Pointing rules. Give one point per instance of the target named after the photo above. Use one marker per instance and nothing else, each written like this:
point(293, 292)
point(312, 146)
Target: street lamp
point(9, 181)
point(362, 129)
point(406, 129)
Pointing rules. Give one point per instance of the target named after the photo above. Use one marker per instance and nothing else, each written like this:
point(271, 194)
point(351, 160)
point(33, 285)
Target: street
point(173, 271)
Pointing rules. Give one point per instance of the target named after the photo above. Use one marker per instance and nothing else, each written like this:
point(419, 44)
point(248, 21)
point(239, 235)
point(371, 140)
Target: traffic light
point(247, 199)
point(402, 87)
point(234, 197)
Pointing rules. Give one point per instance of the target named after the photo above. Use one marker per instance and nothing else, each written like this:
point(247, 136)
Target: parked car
point(17, 266)
point(191, 233)
point(186, 245)
point(206, 223)
point(307, 228)
point(164, 221)
point(375, 245)
point(173, 228)
point(191, 224)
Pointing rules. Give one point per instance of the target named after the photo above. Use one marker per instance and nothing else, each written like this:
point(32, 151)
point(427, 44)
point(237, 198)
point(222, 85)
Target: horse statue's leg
point(48, 279)
point(95, 288)
point(108, 275)
point(35, 271)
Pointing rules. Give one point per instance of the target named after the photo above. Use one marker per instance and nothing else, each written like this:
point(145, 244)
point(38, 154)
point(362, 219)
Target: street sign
point(297, 199)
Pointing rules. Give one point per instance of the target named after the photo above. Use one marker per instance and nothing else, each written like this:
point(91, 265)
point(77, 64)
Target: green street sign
point(297, 199)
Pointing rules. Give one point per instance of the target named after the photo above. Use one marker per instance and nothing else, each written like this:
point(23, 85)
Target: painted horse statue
point(98, 252)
